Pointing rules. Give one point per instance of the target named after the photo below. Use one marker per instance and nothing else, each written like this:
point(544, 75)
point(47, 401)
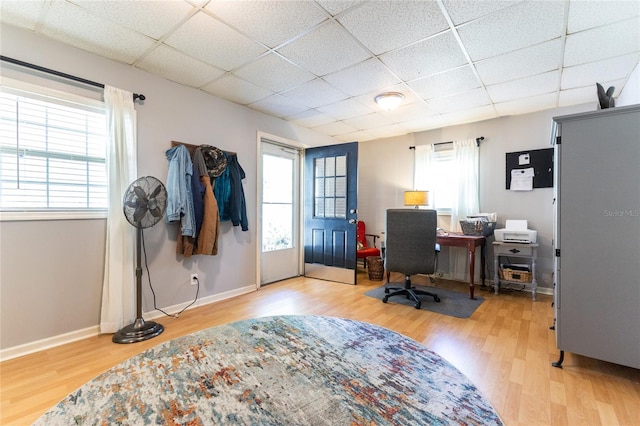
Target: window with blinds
point(52, 153)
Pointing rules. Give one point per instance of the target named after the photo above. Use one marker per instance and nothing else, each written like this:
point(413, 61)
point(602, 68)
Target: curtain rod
point(63, 75)
point(478, 140)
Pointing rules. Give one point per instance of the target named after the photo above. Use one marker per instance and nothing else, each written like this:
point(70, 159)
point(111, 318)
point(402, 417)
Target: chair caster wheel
point(437, 299)
point(384, 299)
point(418, 305)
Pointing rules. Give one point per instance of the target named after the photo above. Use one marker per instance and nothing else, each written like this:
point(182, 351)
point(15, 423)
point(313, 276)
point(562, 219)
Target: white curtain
point(118, 287)
point(467, 200)
point(464, 172)
point(423, 170)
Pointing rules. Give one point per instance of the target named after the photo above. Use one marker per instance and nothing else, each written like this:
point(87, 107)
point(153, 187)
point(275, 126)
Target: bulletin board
point(540, 160)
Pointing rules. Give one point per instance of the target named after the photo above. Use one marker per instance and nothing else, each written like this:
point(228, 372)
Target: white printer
point(515, 231)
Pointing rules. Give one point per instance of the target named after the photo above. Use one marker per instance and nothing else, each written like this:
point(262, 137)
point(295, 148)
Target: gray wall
point(51, 271)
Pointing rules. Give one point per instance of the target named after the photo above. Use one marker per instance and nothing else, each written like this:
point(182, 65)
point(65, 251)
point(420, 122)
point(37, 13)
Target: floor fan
point(144, 203)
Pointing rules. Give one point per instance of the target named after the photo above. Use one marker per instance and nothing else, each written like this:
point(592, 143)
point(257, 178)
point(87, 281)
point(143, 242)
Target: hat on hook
point(215, 159)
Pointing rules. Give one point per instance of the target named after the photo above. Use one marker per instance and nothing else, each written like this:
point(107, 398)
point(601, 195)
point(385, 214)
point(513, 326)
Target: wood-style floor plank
point(505, 348)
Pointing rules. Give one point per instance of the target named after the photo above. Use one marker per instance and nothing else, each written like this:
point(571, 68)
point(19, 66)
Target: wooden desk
point(470, 242)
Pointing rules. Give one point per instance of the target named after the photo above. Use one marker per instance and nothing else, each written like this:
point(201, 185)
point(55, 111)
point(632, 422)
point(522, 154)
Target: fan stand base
point(139, 331)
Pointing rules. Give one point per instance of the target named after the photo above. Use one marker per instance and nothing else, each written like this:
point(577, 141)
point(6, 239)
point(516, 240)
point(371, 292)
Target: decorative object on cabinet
point(605, 99)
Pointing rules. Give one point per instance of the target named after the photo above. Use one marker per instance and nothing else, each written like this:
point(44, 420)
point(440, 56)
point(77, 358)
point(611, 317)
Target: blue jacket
point(230, 194)
point(179, 194)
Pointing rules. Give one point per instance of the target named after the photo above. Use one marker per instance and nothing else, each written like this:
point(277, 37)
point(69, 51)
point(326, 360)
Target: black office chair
point(410, 249)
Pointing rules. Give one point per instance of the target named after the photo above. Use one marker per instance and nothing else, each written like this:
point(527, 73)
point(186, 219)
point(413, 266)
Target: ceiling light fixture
point(389, 100)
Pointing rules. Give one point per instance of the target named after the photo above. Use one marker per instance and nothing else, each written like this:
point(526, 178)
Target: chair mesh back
point(411, 241)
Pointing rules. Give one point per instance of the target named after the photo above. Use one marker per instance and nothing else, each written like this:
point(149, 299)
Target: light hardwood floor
point(505, 348)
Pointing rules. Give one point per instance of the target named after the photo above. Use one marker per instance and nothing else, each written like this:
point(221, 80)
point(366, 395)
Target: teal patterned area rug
point(281, 370)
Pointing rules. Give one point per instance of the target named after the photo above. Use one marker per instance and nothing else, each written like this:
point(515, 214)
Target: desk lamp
point(416, 198)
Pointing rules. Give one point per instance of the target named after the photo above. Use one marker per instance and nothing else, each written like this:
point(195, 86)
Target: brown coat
point(210, 230)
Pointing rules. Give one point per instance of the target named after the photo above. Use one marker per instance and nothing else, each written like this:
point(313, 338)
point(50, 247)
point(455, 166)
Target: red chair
point(363, 249)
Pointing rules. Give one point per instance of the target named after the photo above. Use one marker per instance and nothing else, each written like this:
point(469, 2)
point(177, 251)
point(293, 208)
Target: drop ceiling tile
point(424, 123)
point(513, 28)
point(471, 115)
point(578, 96)
point(428, 57)
point(587, 94)
point(362, 78)
point(524, 88)
point(315, 93)
point(603, 42)
point(346, 109)
point(359, 136)
point(446, 83)
point(151, 18)
point(210, 41)
point(274, 73)
point(462, 11)
point(176, 66)
point(311, 118)
point(235, 89)
point(269, 22)
point(278, 106)
point(388, 131)
point(327, 49)
point(369, 121)
point(406, 113)
point(471, 99)
point(386, 25)
point(610, 69)
point(335, 7)
point(20, 13)
point(589, 14)
point(336, 128)
point(525, 62)
point(524, 106)
point(75, 26)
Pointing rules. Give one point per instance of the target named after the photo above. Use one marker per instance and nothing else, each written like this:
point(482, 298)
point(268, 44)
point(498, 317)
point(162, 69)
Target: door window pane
point(277, 202)
point(330, 198)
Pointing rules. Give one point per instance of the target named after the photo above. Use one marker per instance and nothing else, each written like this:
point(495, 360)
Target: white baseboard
point(172, 310)
point(62, 339)
point(49, 342)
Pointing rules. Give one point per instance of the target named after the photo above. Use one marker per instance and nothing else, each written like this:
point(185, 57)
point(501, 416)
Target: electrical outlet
point(194, 279)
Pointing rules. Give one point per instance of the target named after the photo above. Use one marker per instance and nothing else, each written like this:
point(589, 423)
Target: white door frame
point(286, 143)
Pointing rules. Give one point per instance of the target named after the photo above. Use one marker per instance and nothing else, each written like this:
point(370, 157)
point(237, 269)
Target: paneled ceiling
point(320, 63)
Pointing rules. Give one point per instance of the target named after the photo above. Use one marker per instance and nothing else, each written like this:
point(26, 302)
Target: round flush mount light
point(389, 100)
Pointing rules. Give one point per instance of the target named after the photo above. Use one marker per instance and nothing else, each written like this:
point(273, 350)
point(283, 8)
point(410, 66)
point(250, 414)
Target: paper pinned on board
point(522, 179)
point(523, 159)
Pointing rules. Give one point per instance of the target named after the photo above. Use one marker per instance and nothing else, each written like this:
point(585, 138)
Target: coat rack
point(191, 147)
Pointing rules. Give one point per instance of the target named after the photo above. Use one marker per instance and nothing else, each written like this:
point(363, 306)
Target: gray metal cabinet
point(597, 235)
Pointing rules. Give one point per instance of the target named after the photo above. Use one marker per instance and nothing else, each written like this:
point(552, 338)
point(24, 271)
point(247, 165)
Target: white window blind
point(52, 153)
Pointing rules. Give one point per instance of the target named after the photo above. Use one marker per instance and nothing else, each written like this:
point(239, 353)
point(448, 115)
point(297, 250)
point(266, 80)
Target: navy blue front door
point(330, 212)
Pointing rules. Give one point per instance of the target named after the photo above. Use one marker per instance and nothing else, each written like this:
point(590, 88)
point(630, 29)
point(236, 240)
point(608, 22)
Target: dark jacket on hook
point(237, 205)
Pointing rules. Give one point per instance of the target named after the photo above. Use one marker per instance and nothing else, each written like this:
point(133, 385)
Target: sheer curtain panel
point(118, 288)
point(466, 200)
